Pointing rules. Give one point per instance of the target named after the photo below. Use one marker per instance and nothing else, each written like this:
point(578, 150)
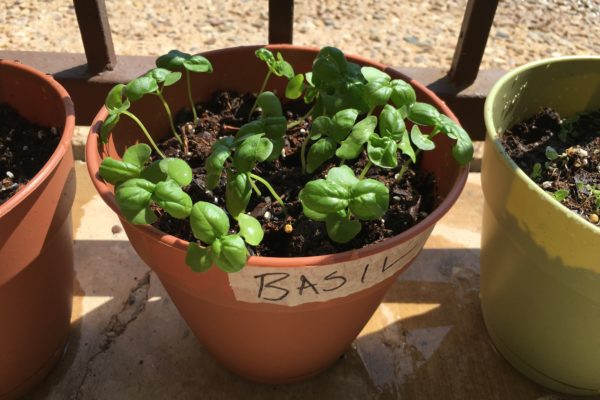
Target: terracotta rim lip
point(63, 145)
point(495, 138)
point(105, 190)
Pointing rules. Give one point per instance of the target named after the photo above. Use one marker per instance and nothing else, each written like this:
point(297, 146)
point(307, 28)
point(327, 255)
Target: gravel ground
point(409, 33)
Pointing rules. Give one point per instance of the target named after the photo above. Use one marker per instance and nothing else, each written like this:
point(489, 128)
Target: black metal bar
point(281, 21)
point(95, 34)
point(474, 32)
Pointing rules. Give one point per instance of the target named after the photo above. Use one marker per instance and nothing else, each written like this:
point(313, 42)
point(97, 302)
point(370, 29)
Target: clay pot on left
point(36, 240)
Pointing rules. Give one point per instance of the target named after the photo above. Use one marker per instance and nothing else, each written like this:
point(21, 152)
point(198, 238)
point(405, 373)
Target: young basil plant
point(342, 200)
point(175, 60)
point(210, 225)
point(276, 66)
point(153, 82)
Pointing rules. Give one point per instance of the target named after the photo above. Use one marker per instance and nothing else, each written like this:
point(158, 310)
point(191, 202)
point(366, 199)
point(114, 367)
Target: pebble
point(10, 174)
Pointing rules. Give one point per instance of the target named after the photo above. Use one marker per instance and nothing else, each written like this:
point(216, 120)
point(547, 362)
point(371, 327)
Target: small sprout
point(551, 153)
point(561, 195)
point(536, 173)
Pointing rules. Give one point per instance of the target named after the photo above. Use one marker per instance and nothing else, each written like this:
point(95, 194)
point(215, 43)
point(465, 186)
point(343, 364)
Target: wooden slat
point(95, 34)
point(281, 21)
point(474, 33)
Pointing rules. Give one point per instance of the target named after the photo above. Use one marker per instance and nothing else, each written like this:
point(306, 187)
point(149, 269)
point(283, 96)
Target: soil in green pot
point(24, 149)
point(411, 199)
point(562, 156)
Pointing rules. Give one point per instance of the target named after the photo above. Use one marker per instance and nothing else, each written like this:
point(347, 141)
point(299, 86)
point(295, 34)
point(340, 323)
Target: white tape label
point(299, 285)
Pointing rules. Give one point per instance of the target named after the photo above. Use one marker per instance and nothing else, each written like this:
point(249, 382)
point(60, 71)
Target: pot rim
point(63, 145)
point(494, 137)
point(105, 190)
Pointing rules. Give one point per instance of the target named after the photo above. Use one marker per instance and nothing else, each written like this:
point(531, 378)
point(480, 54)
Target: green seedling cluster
point(355, 110)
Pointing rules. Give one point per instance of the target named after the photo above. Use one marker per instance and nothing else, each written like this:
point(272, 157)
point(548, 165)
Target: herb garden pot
point(278, 319)
point(540, 262)
point(36, 245)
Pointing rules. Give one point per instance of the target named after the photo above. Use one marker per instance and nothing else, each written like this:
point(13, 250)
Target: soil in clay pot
point(411, 199)
point(562, 156)
point(24, 149)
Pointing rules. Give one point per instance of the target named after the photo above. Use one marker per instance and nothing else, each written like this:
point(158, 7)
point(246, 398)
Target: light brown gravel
point(414, 33)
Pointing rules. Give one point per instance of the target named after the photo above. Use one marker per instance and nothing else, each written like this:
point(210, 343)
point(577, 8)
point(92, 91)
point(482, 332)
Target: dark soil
point(411, 200)
point(24, 149)
point(575, 173)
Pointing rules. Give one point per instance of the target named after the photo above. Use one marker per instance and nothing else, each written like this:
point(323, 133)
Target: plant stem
point(262, 88)
point(168, 110)
point(189, 92)
point(270, 188)
point(256, 189)
point(303, 153)
point(302, 118)
point(370, 112)
point(365, 170)
point(143, 128)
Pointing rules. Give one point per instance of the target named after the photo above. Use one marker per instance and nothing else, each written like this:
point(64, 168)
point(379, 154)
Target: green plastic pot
point(540, 262)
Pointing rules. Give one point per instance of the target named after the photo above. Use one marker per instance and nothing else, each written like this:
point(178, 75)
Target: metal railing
point(89, 77)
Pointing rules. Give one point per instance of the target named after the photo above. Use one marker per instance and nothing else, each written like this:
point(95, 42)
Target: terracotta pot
point(36, 244)
point(267, 323)
point(540, 262)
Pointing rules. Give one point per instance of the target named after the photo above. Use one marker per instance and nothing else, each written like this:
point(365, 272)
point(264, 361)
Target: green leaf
point(137, 88)
point(153, 173)
point(214, 164)
point(208, 222)
point(275, 127)
point(250, 229)
point(237, 194)
point(343, 121)
point(171, 198)
point(282, 67)
point(177, 169)
point(342, 176)
point(341, 229)
point(133, 197)
point(109, 123)
point(265, 55)
point(114, 100)
point(115, 171)
point(420, 140)
point(370, 199)
point(198, 258)
point(137, 154)
point(353, 144)
point(462, 151)
point(377, 92)
point(251, 128)
point(198, 63)
point(373, 74)
point(293, 90)
point(424, 114)
point(329, 66)
point(536, 173)
point(278, 145)
point(324, 196)
point(172, 60)
point(321, 126)
point(551, 153)
point(164, 76)
point(403, 94)
point(382, 151)
point(252, 150)
point(319, 152)
point(311, 214)
point(310, 94)
point(233, 254)
point(391, 123)
point(561, 195)
point(406, 148)
point(270, 104)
